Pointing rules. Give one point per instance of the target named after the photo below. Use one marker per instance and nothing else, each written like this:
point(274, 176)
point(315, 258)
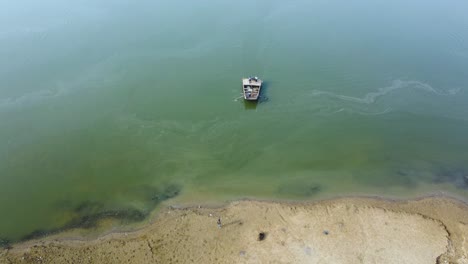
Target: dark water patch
point(153, 195)
point(5, 243)
point(166, 193)
point(39, 233)
point(90, 213)
point(92, 220)
point(403, 173)
point(397, 178)
point(88, 207)
point(300, 189)
point(456, 176)
point(82, 209)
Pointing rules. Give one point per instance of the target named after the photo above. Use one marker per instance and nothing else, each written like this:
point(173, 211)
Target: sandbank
point(341, 230)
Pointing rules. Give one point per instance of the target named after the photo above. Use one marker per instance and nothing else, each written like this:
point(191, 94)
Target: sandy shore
point(344, 230)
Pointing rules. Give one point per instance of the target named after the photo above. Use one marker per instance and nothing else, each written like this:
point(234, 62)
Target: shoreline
point(435, 195)
point(86, 234)
point(445, 217)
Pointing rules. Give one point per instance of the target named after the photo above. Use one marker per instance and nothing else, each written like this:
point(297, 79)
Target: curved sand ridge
point(346, 230)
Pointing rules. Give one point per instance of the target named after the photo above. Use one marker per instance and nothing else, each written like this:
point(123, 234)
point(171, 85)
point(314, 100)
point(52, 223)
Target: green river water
point(108, 108)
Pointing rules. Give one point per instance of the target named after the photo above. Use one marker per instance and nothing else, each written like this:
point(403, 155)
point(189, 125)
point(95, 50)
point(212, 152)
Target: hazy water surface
point(108, 108)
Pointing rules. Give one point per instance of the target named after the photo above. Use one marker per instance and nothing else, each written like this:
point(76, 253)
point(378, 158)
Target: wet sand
point(343, 230)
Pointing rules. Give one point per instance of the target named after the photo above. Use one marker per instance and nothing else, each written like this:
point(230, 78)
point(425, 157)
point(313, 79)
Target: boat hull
point(251, 88)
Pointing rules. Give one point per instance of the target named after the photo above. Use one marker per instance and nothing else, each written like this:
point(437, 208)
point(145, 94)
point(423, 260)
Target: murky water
point(108, 108)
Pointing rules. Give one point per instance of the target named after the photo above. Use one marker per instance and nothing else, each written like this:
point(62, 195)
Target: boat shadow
point(263, 97)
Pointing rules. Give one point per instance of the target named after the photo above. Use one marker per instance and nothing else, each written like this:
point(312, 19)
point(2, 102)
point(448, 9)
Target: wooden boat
point(251, 88)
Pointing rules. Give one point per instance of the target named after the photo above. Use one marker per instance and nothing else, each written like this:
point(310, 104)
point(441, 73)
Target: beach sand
point(343, 230)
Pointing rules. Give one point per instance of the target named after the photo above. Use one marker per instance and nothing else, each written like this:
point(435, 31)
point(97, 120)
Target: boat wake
point(238, 98)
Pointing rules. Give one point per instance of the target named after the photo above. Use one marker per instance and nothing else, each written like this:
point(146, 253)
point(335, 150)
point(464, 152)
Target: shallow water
point(109, 108)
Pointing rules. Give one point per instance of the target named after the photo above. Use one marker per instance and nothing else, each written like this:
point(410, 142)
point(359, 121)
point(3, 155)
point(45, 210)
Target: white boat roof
point(251, 81)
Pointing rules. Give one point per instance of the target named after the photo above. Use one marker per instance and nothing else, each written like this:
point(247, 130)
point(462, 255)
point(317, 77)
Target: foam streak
point(372, 97)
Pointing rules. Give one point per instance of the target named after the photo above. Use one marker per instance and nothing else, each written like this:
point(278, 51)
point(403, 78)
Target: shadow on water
point(90, 213)
point(263, 98)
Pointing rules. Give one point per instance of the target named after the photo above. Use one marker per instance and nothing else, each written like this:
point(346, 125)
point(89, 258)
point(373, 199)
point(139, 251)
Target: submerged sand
point(345, 230)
